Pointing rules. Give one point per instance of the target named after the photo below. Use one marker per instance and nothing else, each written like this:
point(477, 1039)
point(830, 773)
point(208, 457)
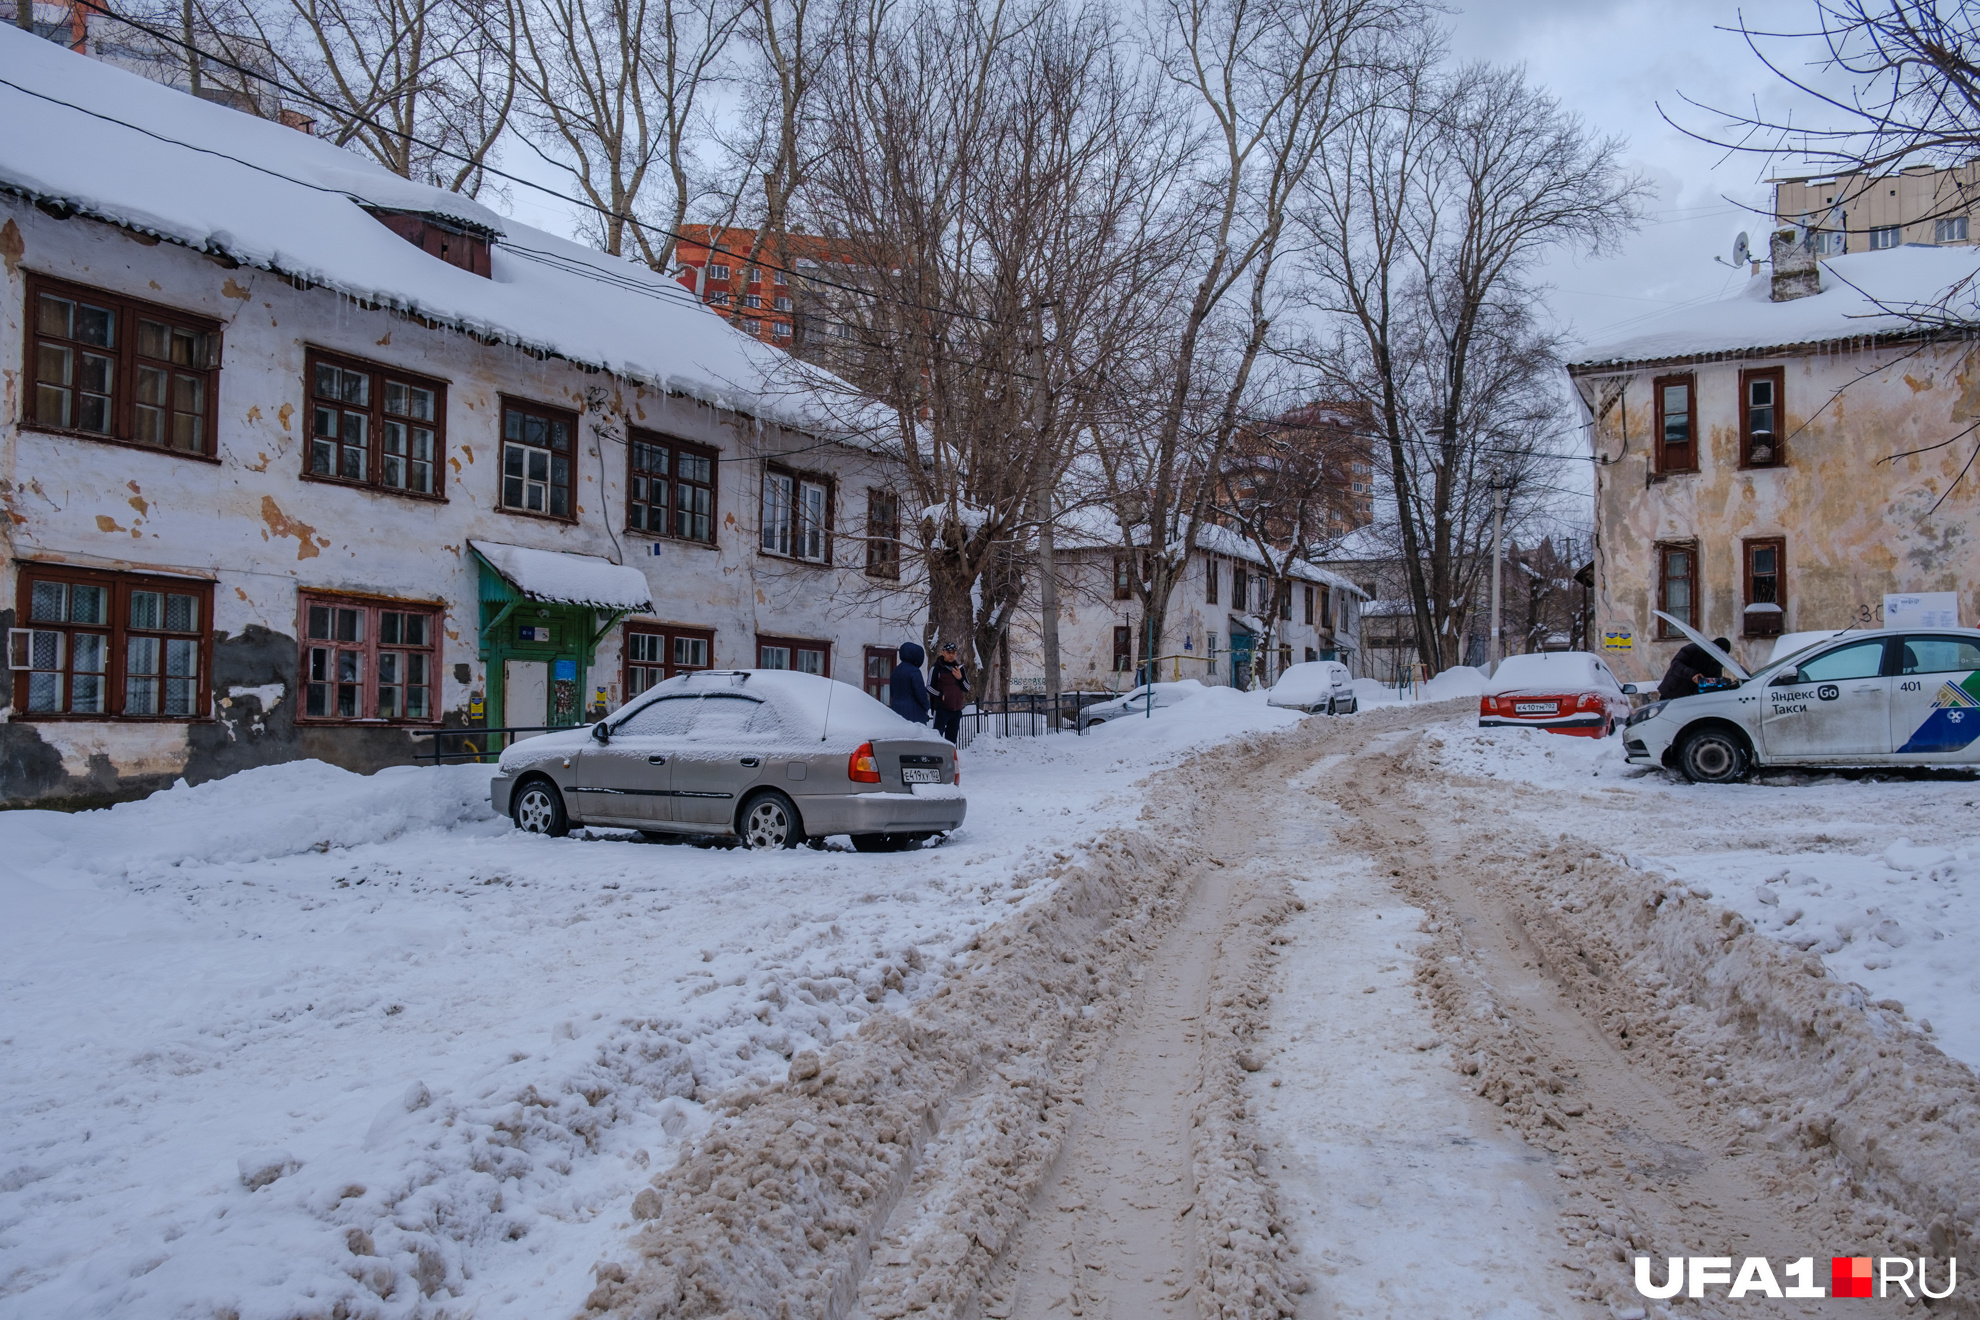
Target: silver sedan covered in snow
point(769, 756)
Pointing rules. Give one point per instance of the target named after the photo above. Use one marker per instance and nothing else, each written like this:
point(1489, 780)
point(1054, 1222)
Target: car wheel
point(769, 820)
point(538, 808)
point(1713, 756)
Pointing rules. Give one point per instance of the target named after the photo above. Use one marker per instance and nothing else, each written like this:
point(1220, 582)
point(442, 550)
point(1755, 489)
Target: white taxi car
point(1896, 697)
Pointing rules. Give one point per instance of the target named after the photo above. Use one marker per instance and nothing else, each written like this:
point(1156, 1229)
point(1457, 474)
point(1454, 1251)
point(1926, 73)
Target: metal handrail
point(505, 734)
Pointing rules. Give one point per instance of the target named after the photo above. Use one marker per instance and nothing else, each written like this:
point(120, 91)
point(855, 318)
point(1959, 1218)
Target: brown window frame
point(543, 412)
point(1123, 577)
point(883, 534)
point(1123, 648)
point(794, 645)
point(1210, 575)
point(671, 663)
point(1309, 603)
point(1756, 623)
point(639, 482)
point(117, 630)
point(373, 608)
point(794, 526)
point(1240, 588)
point(123, 352)
point(1327, 607)
point(1284, 600)
point(1690, 617)
point(1666, 464)
point(1778, 375)
point(379, 416)
point(880, 686)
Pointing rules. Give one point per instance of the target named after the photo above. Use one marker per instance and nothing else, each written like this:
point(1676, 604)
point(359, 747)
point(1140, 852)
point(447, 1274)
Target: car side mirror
point(600, 733)
point(1629, 689)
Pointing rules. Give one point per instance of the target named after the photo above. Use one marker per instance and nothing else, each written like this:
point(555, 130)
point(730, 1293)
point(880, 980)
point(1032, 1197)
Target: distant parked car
point(769, 756)
point(1315, 687)
point(1137, 702)
point(1560, 691)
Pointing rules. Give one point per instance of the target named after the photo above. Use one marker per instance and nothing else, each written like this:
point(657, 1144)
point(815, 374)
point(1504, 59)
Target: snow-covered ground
point(1878, 874)
point(299, 1032)
point(1406, 1195)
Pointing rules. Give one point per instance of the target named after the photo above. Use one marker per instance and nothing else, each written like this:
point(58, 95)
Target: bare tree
point(424, 87)
point(615, 85)
point(993, 177)
point(1426, 225)
point(1266, 80)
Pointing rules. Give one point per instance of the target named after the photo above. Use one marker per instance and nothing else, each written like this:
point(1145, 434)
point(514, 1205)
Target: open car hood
point(1705, 645)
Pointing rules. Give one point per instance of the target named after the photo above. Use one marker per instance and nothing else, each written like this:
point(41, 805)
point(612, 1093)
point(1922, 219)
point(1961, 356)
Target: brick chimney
point(1796, 273)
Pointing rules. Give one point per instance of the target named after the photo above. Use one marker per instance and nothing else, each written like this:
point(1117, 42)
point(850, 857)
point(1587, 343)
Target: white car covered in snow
point(1314, 687)
point(1138, 701)
point(1896, 697)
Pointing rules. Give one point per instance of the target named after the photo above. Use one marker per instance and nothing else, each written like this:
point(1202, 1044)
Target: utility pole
point(1498, 560)
point(1044, 469)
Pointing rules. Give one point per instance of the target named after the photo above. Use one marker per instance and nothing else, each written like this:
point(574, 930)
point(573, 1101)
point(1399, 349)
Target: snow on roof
point(564, 578)
point(1863, 294)
point(116, 147)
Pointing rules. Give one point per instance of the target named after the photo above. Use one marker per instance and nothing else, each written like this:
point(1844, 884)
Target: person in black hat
point(951, 691)
point(1690, 667)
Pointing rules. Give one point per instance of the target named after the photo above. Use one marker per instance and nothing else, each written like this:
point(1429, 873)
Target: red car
point(1560, 691)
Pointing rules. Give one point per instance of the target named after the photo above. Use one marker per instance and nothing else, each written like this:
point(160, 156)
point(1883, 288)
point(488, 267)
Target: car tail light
point(860, 768)
point(1590, 701)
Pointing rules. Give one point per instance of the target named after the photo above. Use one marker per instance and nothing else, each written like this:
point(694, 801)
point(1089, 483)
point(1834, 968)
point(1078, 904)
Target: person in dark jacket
point(1689, 667)
point(907, 692)
point(951, 691)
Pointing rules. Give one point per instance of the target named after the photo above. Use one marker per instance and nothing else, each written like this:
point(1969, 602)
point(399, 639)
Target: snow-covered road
point(1477, 1015)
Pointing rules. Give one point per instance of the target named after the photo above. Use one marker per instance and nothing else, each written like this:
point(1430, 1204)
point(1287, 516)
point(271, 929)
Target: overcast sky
point(1613, 62)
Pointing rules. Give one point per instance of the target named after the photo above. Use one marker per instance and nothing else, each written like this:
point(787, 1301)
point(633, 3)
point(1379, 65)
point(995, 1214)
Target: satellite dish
point(1742, 250)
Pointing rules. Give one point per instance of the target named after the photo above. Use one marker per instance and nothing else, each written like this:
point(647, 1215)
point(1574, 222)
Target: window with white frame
point(1951, 230)
point(797, 515)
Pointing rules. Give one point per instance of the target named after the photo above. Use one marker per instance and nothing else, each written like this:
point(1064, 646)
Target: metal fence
point(477, 744)
point(1026, 715)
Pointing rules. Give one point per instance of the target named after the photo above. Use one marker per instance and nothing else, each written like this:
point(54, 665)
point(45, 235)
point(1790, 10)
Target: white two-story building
point(301, 459)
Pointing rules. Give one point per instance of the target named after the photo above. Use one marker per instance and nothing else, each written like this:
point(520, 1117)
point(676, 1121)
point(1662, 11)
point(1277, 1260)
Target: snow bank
point(256, 815)
point(1903, 924)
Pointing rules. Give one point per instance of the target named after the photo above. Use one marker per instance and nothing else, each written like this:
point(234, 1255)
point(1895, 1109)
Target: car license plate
point(921, 776)
point(1535, 708)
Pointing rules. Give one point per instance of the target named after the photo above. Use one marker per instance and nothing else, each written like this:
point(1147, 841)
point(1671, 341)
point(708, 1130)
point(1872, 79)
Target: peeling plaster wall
point(1856, 525)
point(260, 531)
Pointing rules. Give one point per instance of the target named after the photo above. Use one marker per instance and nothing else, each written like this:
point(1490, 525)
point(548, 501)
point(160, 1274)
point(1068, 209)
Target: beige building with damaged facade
point(301, 459)
point(1782, 460)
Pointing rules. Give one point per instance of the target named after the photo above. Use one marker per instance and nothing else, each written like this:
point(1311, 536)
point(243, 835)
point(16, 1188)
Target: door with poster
point(1935, 699)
